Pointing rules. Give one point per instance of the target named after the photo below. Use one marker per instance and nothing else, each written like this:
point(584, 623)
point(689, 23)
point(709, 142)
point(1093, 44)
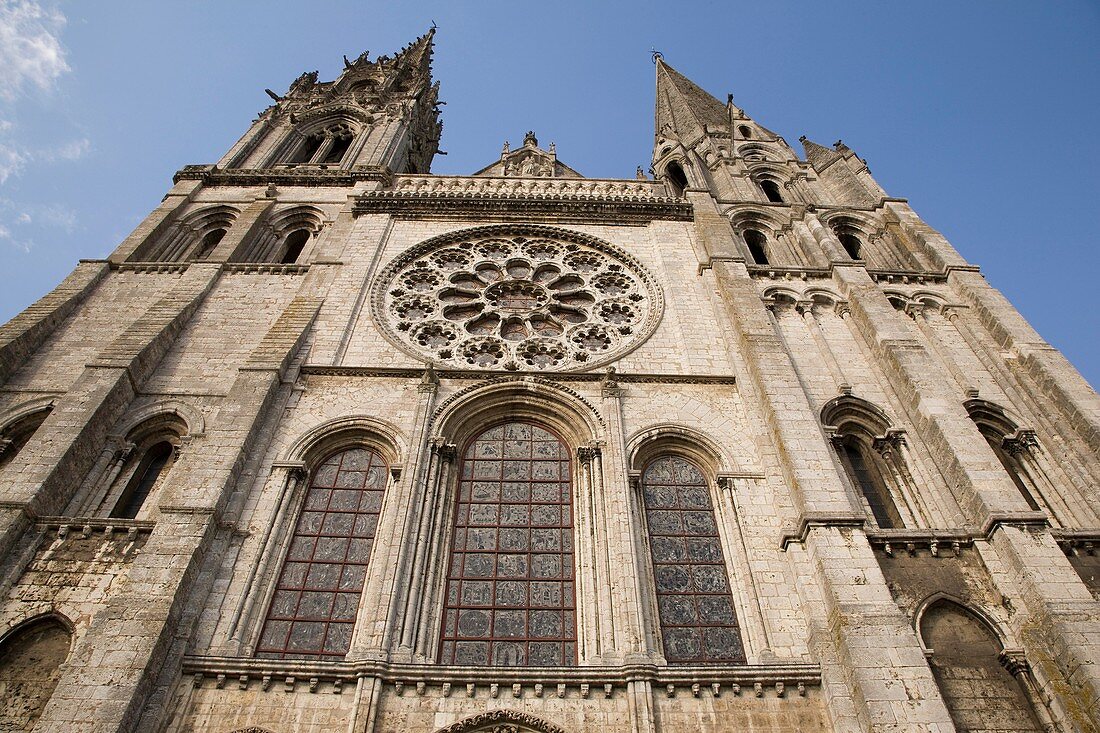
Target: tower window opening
point(745, 131)
point(209, 242)
point(677, 178)
point(864, 474)
point(851, 243)
point(307, 149)
point(337, 150)
point(295, 243)
point(143, 481)
point(758, 246)
point(771, 190)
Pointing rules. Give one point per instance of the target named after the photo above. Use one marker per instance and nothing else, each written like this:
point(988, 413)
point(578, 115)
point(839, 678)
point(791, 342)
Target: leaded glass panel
point(313, 610)
point(510, 595)
point(698, 622)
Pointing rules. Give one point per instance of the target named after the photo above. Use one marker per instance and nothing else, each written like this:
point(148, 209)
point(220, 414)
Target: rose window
point(519, 298)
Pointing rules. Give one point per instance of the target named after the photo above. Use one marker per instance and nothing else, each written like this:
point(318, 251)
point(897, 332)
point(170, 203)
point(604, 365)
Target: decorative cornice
point(779, 678)
point(621, 377)
point(535, 199)
point(211, 175)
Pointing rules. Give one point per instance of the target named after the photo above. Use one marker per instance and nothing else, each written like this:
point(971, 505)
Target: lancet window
point(863, 471)
point(312, 613)
point(694, 603)
point(510, 596)
point(143, 480)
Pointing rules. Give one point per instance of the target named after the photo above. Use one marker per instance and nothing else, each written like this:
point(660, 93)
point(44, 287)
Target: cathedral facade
point(330, 443)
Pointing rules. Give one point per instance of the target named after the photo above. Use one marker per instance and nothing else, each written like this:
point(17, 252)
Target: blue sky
point(984, 114)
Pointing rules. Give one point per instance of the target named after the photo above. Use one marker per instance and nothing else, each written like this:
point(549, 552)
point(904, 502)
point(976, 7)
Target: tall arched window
point(694, 604)
point(143, 480)
point(1016, 472)
point(677, 178)
point(771, 190)
point(981, 695)
point(312, 613)
point(758, 246)
point(510, 596)
point(30, 662)
point(863, 471)
point(295, 242)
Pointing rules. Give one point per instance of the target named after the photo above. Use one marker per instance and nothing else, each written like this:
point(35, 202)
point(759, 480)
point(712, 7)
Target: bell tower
point(378, 113)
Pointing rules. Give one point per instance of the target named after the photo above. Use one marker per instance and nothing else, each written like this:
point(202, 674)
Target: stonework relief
point(30, 662)
point(517, 298)
point(980, 693)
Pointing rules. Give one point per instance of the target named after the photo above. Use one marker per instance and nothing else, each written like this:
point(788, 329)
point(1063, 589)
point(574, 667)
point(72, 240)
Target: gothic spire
point(684, 107)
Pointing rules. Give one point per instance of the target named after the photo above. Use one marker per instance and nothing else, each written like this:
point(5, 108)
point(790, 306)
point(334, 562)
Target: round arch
point(498, 719)
point(848, 411)
point(172, 415)
point(648, 443)
point(340, 433)
point(533, 399)
point(941, 598)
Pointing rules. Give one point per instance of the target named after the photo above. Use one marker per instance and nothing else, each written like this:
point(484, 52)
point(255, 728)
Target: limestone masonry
point(330, 443)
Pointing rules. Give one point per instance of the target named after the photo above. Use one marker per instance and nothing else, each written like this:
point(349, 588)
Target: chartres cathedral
point(330, 443)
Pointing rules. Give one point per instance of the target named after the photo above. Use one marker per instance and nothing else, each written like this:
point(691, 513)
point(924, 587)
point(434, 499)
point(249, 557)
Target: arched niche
point(31, 656)
point(969, 666)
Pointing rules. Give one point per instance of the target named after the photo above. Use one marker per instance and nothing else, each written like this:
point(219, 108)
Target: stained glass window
point(698, 622)
point(313, 610)
point(510, 594)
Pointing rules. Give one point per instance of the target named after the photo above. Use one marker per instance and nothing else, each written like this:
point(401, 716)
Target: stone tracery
point(517, 298)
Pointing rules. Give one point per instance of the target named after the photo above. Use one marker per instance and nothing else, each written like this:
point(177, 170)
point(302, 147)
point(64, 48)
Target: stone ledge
point(211, 175)
point(322, 370)
point(809, 520)
point(774, 680)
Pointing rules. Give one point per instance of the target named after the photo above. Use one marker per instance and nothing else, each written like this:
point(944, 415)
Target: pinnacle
point(818, 156)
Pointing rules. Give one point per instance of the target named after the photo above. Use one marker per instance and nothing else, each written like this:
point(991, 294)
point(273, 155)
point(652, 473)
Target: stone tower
point(333, 443)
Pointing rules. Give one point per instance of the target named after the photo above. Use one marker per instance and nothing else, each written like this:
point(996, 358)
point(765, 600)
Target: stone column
point(241, 235)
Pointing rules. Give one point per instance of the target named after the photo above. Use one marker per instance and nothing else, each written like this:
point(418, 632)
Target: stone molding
point(782, 679)
point(502, 721)
point(211, 175)
point(322, 370)
point(547, 199)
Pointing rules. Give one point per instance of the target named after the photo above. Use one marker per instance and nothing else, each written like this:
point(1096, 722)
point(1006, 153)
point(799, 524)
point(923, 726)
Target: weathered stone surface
point(527, 451)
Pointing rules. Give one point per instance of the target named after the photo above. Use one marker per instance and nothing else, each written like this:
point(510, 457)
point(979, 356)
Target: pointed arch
point(495, 719)
point(280, 234)
point(31, 655)
point(968, 661)
point(647, 443)
point(531, 398)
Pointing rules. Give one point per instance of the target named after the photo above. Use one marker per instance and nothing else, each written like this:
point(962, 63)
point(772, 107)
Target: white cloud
point(72, 150)
point(30, 49)
point(12, 161)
